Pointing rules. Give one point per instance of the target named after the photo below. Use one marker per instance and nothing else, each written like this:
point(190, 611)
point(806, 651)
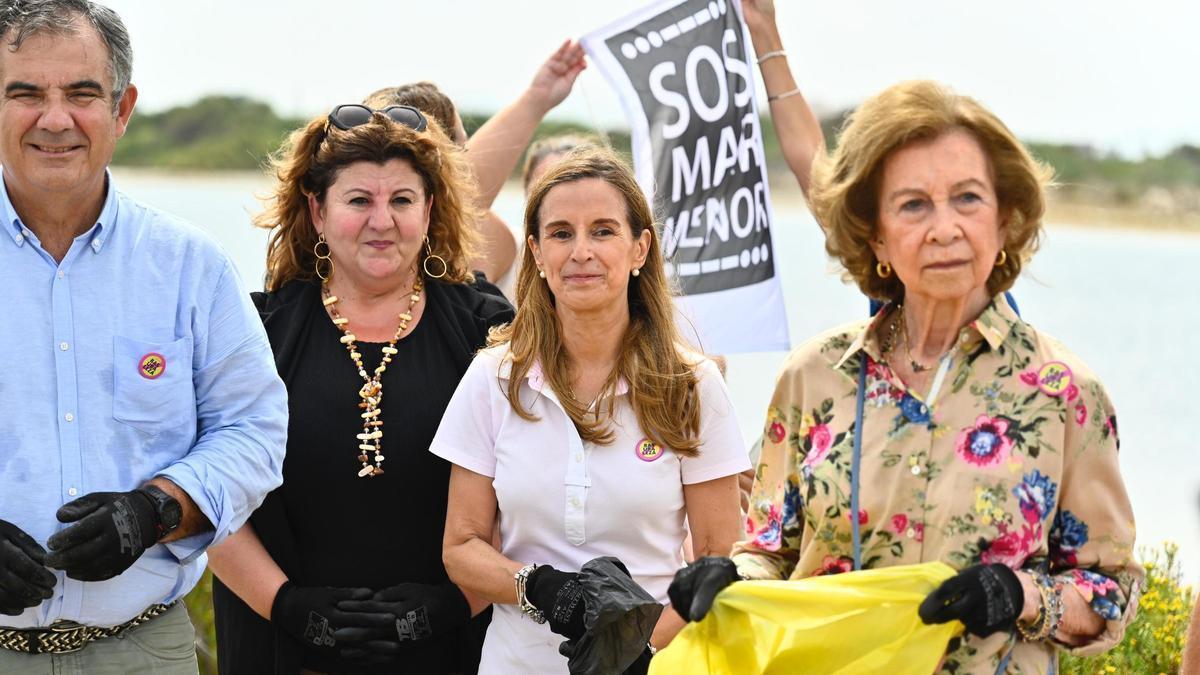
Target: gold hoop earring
point(430, 255)
point(322, 257)
point(1002, 258)
point(884, 270)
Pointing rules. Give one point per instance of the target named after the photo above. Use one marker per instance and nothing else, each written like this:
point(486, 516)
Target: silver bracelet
point(775, 97)
point(520, 578)
point(771, 55)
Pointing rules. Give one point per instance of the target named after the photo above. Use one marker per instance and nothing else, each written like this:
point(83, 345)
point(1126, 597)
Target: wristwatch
point(527, 608)
point(170, 513)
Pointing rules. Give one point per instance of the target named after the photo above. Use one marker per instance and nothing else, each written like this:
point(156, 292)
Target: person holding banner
point(971, 437)
point(497, 145)
point(796, 125)
point(544, 153)
point(587, 429)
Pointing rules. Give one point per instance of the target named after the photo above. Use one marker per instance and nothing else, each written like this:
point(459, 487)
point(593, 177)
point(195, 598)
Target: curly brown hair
point(309, 162)
point(660, 370)
point(846, 184)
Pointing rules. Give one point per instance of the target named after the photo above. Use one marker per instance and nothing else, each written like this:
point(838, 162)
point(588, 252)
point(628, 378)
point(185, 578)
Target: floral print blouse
point(1015, 462)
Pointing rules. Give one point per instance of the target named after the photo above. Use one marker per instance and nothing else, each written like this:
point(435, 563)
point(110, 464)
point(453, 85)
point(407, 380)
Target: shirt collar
point(99, 232)
point(992, 326)
point(537, 378)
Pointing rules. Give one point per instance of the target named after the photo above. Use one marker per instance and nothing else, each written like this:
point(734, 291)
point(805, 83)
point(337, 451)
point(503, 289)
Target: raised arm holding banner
point(683, 72)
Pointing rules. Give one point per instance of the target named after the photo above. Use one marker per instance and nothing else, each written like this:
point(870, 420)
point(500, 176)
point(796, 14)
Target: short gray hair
point(24, 18)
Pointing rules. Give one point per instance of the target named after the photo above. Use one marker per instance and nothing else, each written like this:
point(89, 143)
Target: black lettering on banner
point(690, 68)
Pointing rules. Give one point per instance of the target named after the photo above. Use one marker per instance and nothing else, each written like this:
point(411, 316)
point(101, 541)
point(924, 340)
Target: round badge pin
point(152, 366)
point(647, 450)
point(1054, 378)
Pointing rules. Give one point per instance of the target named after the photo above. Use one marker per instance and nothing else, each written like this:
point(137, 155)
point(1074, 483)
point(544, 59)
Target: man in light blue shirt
point(143, 419)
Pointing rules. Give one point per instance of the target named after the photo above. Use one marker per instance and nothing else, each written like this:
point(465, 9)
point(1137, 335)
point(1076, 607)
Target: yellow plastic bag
point(857, 622)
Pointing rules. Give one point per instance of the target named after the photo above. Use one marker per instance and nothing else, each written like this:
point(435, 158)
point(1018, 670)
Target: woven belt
point(67, 636)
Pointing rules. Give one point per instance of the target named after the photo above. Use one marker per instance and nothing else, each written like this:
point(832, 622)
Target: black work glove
point(560, 599)
point(111, 531)
point(24, 580)
point(310, 613)
point(414, 612)
point(694, 587)
point(986, 598)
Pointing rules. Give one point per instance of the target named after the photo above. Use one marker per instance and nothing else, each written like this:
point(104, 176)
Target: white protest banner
point(683, 72)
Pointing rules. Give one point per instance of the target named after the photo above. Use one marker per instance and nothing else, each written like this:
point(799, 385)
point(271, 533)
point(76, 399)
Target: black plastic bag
point(619, 617)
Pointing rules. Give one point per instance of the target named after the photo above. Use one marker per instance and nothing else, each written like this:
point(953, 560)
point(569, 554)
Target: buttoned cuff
point(213, 502)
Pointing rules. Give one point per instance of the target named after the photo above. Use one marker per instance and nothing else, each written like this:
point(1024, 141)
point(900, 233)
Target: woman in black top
point(373, 316)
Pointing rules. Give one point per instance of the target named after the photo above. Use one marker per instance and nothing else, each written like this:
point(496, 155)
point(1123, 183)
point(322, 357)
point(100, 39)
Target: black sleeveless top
point(325, 526)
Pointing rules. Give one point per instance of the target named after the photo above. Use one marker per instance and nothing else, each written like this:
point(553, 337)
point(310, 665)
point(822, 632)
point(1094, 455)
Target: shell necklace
point(370, 441)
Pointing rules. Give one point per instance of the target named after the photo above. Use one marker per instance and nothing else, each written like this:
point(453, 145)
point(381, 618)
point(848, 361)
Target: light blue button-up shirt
point(139, 355)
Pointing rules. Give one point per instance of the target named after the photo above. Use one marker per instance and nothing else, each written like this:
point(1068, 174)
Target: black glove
point(111, 531)
point(558, 596)
point(694, 587)
point(24, 580)
point(986, 598)
point(415, 612)
point(310, 613)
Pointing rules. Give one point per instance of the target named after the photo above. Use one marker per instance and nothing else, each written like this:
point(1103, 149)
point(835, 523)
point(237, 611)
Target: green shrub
point(200, 608)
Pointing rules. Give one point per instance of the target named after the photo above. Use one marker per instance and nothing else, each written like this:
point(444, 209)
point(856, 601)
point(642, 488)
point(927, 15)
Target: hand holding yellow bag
point(857, 622)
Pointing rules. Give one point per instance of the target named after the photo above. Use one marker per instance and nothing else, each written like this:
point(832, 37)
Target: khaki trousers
point(166, 645)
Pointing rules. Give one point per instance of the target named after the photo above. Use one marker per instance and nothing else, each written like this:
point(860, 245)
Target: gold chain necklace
point(370, 441)
point(916, 366)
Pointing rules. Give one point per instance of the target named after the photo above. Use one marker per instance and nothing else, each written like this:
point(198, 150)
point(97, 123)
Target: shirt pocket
point(152, 384)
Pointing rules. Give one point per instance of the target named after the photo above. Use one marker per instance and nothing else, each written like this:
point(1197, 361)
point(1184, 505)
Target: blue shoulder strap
point(856, 458)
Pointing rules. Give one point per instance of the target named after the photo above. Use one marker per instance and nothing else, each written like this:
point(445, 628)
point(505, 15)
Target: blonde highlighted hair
point(662, 378)
point(846, 184)
point(309, 162)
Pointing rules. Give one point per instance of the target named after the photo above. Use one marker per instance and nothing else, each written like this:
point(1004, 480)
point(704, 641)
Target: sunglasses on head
point(350, 115)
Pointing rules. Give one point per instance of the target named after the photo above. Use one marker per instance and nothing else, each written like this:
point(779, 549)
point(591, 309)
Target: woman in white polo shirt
point(587, 428)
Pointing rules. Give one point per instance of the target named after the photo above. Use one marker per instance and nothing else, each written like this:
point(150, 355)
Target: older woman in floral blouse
point(985, 444)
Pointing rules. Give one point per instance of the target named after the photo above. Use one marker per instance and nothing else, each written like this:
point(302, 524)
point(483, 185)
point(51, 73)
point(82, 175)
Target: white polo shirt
point(564, 502)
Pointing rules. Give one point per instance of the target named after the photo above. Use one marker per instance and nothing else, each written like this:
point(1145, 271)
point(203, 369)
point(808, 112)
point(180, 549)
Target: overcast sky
point(1120, 75)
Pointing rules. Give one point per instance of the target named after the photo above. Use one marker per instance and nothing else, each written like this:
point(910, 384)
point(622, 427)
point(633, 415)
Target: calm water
point(1123, 301)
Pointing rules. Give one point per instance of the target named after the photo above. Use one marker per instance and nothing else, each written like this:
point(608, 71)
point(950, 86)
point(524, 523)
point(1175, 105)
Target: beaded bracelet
point(1049, 616)
point(1059, 607)
point(1032, 632)
point(527, 608)
point(771, 55)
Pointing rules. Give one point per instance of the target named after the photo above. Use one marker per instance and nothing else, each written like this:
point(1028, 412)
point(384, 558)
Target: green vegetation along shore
point(219, 133)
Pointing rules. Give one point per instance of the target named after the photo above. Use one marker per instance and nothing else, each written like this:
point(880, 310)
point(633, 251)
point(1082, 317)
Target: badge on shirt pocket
point(152, 383)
